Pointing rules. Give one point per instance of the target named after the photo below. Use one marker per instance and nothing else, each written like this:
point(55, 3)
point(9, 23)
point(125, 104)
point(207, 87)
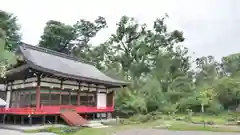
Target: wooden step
point(72, 118)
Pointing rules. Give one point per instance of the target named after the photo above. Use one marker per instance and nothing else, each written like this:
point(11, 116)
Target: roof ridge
point(52, 52)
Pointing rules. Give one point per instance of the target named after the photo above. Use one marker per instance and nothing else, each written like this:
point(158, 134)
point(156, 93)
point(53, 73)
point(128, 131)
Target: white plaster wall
point(101, 100)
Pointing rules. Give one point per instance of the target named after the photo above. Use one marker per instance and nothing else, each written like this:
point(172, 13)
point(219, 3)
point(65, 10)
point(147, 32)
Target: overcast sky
point(210, 26)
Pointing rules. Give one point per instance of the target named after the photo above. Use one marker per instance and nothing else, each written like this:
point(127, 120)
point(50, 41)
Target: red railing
point(54, 109)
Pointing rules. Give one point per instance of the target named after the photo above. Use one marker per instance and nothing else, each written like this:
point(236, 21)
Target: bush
point(189, 115)
point(156, 115)
point(215, 108)
point(141, 118)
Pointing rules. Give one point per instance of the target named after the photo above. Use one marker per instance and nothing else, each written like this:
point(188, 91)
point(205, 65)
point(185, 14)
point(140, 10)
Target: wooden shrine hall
point(50, 86)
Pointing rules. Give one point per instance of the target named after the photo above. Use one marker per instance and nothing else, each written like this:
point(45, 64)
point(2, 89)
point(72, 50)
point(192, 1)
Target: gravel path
point(166, 132)
point(12, 132)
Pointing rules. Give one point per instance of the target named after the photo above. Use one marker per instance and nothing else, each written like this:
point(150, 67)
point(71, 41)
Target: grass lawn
point(170, 125)
point(159, 124)
point(183, 126)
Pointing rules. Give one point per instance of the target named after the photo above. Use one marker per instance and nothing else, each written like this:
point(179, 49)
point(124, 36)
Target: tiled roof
point(64, 65)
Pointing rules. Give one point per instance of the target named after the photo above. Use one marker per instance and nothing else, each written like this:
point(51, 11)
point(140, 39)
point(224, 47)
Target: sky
point(211, 27)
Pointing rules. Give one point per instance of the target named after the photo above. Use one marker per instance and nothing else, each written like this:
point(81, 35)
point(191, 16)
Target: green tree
point(72, 40)
point(208, 70)
point(8, 23)
point(137, 48)
point(228, 91)
point(231, 64)
point(128, 103)
point(143, 54)
point(206, 96)
point(58, 36)
point(6, 58)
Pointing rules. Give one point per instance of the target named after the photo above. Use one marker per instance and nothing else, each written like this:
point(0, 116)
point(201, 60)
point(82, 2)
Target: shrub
point(215, 108)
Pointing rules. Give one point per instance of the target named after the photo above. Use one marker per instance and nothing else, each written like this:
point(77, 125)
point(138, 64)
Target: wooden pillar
point(56, 119)
point(30, 119)
point(113, 101)
point(60, 98)
point(8, 118)
point(4, 118)
point(8, 96)
point(22, 120)
point(78, 98)
point(96, 94)
point(14, 119)
point(88, 91)
point(44, 119)
point(18, 99)
point(69, 97)
point(29, 99)
point(50, 97)
point(38, 97)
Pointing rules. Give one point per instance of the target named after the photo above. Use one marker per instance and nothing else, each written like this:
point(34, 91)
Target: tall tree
point(208, 70)
point(71, 39)
point(137, 48)
point(86, 30)
point(231, 64)
point(7, 58)
point(58, 36)
point(8, 23)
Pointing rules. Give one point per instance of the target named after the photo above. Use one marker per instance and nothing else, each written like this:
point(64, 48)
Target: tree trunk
point(202, 109)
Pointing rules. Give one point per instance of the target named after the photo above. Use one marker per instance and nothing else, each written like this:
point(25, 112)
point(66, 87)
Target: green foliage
point(8, 23)
point(72, 39)
point(215, 108)
point(58, 36)
point(153, 95)
point(129, 103)
point(6, 58)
